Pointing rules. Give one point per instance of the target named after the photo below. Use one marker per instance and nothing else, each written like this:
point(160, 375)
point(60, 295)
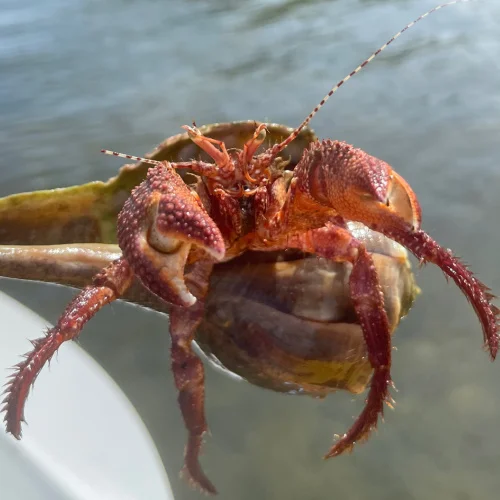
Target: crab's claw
point(358, 186)
point(365, 189)
point(159, 223)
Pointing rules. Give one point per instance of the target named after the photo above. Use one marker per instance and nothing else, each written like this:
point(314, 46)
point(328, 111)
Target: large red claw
point(356, 185)
point(157, 226)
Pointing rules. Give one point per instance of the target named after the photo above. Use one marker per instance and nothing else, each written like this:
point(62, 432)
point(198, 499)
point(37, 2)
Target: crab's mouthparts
point(426, 250)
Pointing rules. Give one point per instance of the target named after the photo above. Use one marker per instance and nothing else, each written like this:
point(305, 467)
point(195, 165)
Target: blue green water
point(79, 76)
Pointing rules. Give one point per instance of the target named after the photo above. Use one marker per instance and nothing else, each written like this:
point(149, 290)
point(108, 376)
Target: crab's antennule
point(130, 157)
point(282, 145)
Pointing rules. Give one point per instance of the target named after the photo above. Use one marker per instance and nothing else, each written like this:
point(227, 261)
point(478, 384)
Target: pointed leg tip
point(492, 348)
point(339, 447)
point(13, 429)
point(337, 450)
point(198, 480)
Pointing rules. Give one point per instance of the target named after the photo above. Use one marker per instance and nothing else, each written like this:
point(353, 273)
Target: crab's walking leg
point(337, 244)
point(369, 305)
point(478, 294)
point(189, 374)
point(107, 286)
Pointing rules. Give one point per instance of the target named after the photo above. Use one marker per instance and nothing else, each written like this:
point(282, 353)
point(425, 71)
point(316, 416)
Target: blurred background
point(79, 76)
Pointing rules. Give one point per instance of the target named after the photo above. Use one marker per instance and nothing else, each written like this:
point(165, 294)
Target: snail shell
point(285, 321)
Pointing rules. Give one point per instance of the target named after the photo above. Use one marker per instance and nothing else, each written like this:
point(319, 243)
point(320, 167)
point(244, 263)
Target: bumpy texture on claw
point(156, 228)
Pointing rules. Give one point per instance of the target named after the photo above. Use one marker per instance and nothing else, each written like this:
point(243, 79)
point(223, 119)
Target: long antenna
point(130, 157)
point(277, 148)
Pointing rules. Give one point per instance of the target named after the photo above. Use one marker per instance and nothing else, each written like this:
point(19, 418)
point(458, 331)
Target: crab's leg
point(162, 228)
point(368, 303)
point(107, 286)
point(189, 375)
point(338, 244)
point(477, 293)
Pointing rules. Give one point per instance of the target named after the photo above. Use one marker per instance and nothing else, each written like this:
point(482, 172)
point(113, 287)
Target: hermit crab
point(175, 233)
point(280, 320)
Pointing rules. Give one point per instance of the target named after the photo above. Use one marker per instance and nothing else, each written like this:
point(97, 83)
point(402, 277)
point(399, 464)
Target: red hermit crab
point(172, 235)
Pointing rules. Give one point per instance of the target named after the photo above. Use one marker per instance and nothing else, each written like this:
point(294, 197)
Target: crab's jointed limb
point(336, 243)
point(157, 227)
point(476, 292)
point(107, 286)
point(189, 374)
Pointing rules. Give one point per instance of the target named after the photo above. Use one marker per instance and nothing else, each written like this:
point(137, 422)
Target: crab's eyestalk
point(157, 226)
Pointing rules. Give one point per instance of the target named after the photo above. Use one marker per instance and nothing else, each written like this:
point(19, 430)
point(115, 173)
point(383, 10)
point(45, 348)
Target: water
point(76, 77)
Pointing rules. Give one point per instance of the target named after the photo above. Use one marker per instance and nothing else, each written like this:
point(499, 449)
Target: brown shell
point(289, 325)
